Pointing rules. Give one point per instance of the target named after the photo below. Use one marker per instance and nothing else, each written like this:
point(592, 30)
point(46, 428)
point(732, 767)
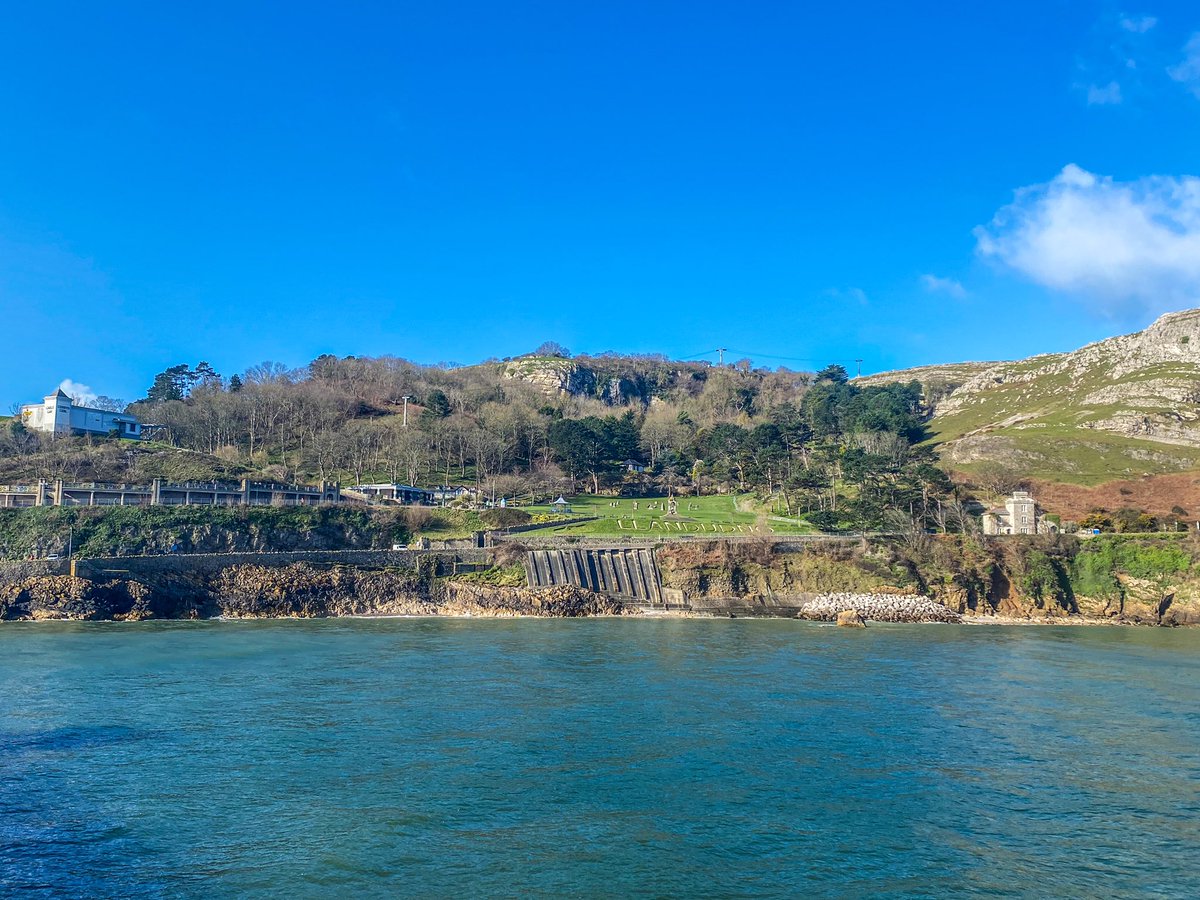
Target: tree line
point(820, 445)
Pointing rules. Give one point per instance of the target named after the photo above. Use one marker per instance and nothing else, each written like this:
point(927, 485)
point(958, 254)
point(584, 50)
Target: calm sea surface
point(597, 758)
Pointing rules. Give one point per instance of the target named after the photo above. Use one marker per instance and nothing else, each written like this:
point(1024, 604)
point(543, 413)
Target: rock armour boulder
point(878, 608)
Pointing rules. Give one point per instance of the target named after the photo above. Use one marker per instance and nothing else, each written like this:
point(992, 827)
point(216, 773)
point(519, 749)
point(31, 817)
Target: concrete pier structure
point(165, 493)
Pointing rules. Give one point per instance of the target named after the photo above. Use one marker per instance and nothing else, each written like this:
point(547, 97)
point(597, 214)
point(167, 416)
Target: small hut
point(561, 505)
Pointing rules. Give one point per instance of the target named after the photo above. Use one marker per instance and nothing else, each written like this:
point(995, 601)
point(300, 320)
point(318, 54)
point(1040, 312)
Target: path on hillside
point(739, 506)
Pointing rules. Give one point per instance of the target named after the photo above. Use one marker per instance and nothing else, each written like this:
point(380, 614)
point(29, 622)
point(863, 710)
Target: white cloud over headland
point(1115, 243)
point(937, 285)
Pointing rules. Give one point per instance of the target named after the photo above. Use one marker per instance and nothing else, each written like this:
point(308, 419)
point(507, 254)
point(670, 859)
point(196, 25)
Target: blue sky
point(901, 183)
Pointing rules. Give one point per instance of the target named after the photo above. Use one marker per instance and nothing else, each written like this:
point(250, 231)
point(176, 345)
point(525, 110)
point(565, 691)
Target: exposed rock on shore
point(66, 597)
point(300, 591)
point(848, 618)
point(295, 591)
point(559, 601)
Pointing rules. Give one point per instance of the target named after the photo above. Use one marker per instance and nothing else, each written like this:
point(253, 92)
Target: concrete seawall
point(630, 574)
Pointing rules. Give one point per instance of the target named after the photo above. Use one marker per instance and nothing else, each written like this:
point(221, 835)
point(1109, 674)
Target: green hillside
point(1120, 408)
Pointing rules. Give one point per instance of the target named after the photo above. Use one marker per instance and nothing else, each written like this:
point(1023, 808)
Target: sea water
point(599, 757)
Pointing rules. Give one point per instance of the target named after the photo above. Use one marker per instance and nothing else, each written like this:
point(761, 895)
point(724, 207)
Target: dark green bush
point(505, 518)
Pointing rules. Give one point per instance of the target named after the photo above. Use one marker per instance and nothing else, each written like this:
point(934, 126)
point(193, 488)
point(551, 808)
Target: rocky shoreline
point(293, 591)
point(302, 591)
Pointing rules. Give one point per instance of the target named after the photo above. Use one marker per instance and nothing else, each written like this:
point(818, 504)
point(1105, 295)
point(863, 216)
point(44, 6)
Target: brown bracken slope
point(1156, 494)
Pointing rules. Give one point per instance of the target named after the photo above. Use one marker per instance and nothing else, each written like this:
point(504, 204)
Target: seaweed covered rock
point(301, 591)
point(560, 601)
point(70, 598)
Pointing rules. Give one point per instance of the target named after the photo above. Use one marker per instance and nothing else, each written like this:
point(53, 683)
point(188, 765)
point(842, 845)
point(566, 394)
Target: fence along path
point(626, 573)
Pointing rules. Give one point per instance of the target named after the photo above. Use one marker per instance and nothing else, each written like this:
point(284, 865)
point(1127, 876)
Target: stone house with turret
point(1020, 514)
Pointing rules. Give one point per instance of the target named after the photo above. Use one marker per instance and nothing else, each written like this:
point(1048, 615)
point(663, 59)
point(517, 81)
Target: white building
point(58, 415)
point(1019, 515)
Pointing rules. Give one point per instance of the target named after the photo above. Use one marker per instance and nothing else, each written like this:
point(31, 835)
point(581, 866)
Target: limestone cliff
point(553, 375)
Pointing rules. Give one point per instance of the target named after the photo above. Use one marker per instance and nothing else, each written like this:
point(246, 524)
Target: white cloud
point(853, 295)
point(1138, 24)
point(1188, 71)
point(937, 285)
point(1101, 96)
point(1119, 47)
point(79, 393)
point(1114, 243)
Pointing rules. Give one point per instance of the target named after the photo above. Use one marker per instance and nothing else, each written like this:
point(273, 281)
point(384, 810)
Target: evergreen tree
point(437, 404)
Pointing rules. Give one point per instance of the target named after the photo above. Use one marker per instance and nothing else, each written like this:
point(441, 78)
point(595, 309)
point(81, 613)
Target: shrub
point(417, 517)
point(508, 553)
point(1045, 580)
point(499, 576)
point(1094, 570)
point(505, 517)
point(1152, 561)
point(1097, 518)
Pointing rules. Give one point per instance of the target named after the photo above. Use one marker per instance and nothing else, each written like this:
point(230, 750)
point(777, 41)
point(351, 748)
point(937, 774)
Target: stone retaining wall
point(12, 571)
point(137, 567)
point(788, 544)
point(501, 534)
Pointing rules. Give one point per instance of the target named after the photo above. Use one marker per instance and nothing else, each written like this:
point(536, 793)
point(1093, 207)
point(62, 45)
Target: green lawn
point(712, 516)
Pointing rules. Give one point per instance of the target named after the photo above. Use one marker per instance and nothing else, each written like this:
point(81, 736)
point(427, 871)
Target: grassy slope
point(951, 372)
point(113, 530)
point(1051, 438)
point(448, 524)
point(711, 515)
